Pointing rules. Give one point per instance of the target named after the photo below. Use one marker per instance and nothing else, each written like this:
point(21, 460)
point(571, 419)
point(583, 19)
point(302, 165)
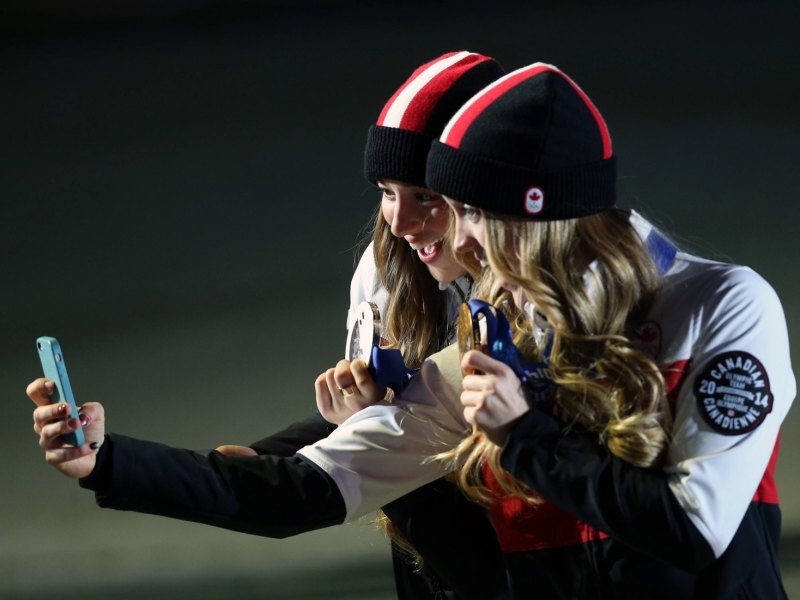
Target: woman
point(416, 283)
point(672, 372)
point(405, 271)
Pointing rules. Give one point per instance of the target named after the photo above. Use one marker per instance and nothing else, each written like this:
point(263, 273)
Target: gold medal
point(472, 332)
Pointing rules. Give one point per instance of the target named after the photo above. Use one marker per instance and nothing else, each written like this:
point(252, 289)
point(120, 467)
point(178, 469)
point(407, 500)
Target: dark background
point(182, 202)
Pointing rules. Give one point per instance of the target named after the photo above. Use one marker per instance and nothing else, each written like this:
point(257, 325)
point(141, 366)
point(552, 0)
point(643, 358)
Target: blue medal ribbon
point(388, 368)
point(533, 375)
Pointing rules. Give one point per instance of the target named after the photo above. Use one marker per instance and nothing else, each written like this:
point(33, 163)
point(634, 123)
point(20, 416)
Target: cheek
point(387, 211)
point(438, 220)
point(475, 231)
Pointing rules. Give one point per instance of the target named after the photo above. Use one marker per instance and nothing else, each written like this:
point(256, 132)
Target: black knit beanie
point(531, 145)
point(413, 118)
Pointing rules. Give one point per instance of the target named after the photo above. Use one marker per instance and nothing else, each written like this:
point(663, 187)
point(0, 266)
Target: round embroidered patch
point(733, 393)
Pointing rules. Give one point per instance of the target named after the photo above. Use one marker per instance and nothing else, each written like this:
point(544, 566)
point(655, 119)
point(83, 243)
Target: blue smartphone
point(56, 369)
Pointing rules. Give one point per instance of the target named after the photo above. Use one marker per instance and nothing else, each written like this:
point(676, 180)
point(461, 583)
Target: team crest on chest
point(733, 393)
point(648, 338)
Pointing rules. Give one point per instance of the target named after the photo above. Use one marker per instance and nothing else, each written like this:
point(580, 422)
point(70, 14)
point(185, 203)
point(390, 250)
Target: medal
point(484, 327)
point(364, 333)
point(364, 341)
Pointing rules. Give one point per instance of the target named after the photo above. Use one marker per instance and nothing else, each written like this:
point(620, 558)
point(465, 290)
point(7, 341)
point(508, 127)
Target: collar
point(461, 286)
point(661, 249)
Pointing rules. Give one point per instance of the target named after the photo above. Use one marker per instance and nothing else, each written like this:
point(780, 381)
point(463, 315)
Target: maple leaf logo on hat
point(534, 200)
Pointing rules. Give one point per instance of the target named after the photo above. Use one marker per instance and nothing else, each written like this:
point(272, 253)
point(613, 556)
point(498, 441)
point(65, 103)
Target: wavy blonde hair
point(593, 280)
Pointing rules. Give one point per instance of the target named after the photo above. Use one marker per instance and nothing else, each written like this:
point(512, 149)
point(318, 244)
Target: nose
point(407, 217)
point(462, 239)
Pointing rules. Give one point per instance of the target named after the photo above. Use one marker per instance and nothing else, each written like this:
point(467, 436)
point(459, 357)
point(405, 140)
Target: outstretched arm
point(274, 496)
point(373, 458)
point(266, 495)
point(288, 441)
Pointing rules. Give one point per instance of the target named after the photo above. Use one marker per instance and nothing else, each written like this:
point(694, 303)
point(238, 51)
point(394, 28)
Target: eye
point(424, 197)
point(386, 193)
point(472, 214)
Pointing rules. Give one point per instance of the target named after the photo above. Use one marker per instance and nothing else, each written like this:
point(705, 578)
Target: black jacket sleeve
point(631, 504)
point(295, 436)
point(266, 495)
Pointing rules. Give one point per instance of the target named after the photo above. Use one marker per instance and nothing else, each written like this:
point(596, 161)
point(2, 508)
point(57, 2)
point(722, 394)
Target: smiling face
point(421, 217)
point(469, 235)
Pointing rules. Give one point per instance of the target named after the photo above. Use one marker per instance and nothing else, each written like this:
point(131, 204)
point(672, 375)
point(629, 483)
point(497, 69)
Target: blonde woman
point(672, 373)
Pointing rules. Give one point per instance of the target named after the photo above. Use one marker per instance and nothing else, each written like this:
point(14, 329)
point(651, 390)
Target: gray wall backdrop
point(182, 200)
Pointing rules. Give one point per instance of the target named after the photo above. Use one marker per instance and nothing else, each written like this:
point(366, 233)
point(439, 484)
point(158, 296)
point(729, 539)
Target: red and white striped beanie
point(398, 143)
point(532, 144)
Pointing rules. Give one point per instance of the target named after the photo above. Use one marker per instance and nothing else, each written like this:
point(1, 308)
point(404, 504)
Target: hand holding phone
point(55, 368)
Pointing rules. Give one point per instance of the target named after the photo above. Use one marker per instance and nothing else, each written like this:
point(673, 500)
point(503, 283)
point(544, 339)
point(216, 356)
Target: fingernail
point(62, 408)
point(70, 424)
point(84, 419)
point(94, 445)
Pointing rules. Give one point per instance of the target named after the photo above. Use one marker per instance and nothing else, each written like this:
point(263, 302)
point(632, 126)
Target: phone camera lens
point(39, 346)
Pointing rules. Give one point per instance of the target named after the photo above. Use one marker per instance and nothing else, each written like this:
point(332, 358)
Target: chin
point(519, 299)
point(445, 276)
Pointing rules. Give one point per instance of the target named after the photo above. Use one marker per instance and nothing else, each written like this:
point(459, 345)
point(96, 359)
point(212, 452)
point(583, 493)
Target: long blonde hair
point(416, 312)
point(593, 279)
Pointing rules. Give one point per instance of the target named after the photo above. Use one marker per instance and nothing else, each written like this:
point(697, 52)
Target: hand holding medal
point(499, 386)
point(364, 342)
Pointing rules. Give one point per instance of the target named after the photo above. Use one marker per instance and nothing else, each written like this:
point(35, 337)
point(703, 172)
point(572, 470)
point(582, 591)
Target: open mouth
point(480, 256)
point(429, 253)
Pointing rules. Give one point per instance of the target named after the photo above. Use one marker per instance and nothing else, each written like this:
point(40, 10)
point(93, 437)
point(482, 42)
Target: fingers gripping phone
point(56, 369)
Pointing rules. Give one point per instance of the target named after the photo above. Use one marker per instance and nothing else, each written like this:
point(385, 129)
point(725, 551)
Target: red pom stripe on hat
point(397, 145)
point(454, 131)
point(531, 144)
point(412, 105)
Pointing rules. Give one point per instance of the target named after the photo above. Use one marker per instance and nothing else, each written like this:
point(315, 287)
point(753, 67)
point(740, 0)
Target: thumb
point(40, 390)
point(365, 381)
point(475, 360)
point(232, 450)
